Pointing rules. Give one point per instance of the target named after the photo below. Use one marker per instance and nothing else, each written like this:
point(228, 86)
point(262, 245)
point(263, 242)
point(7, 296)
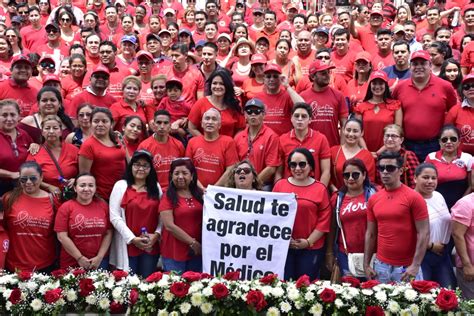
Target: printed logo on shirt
point(6, 245)
point(202, 157)
point(159, 160)
point(460, 163)
point(81, 222)
point(352, 207)
point(322, 113)
point(24, 219)
point(466, 133)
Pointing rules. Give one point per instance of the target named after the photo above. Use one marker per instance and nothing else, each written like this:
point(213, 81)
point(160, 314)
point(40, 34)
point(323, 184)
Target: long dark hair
point(107, 112)
point(196, 192)
point(13, 195)
point(457, 82)
point(61, 114)
point(151, 179)
point(359, 164)
point(386, 95)
point(229, 97)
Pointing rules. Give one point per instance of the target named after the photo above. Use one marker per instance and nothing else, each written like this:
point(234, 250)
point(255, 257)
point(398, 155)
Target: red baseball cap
point(47, 57)
point(378, 74)
point(144, 53)
point(51, 77)
point(318, 65)
point(364, 56)
point(101, 68)
point(272, 67)
point(423, 54)
point(21, 58)
point(468, 78)
point(376, 12)
point(467, 8)
point(258, 59)
point(174, 80)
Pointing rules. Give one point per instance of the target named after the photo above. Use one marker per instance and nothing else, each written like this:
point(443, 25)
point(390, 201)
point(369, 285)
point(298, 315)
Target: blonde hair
point(51, 117)
point(256, 183)
point(396, 127)
point(132, 79)
point(159, 77)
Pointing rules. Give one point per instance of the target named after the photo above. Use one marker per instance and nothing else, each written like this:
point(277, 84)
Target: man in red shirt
point(162, 146)
point(425, 100)
point(433, 19)
point(328, 105)
point(200, 18)
point(212, 154)
point(383, 58)
point(366, 34)
point(92, 50)
point(258, 143)
point(341, 56)
point(466, 28)
point(304, 54)
point(269, 29)
point(398, 228)
point(111, 25)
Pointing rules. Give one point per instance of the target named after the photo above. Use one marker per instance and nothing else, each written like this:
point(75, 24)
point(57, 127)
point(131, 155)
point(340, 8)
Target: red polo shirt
point(463, 118)
point(192, 80)
point(424, 110)
point(9, 160)
point(117, 74)
point(25, 96)
point(121, 110)
point(367, 39)
point(87, 96)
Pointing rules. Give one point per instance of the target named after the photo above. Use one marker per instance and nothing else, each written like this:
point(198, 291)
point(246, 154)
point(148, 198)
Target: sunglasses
point(66, 20)
point(24, 179)
point(347, 175)
point(468, 86)
point(323, 57)
point(294, 164)
point(101, 76)
point(85, 114)
point(388, 168)
point(140, 166)
point(47, 65)
point(452, 139)
point(52, 31)
point(254, 111)
point(246, 170)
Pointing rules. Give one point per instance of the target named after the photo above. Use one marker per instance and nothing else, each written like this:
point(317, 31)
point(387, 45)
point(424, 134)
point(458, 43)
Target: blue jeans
point(193, 264)
point(104, 265)
point(439, 269)
point(300, 262)
point(387, 273)
point(144, 264)
point(422, 148)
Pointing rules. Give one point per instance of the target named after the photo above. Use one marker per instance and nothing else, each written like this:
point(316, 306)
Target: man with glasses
point(269, 29)
point(328, 105)
point(398, 228)
point(258, 143)
point(257, 19)
point(420, 7)
point(22, 10)
point(214, 14)
point(367, 34)
point(54, 45)
point(425, 99)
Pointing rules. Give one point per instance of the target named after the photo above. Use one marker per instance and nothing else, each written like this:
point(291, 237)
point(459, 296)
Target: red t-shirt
point(374, 123)
point(337, 162)
point(355, 92)
point(380, 62)
point(121, 110)
point(25, 96)
point(192, 79)
point(211, 158)
point(87, 97)
point(263, 150)
point(277, 111)
point(32, 238)
point(5, 242)
point(251, 88)
point(86, 225)
point(314, 141)
point(117, 74)
point(336, 82)
point(303, 62)
point(395, 213)
point(424, 111)
point(163, 155)
point(329, 106)
point(344, 64)
point(70, 89)
point(32, 38)
point(67, 161)
point(231, 121)
point(187, 215)
point(12, 156)
point(178, 109)
point(140, 211)
point(313, 210)
point(367, 39)
point(463, 118)
point(108, 164)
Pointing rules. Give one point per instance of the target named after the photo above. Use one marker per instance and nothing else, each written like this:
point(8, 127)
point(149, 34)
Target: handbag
point(66, 193)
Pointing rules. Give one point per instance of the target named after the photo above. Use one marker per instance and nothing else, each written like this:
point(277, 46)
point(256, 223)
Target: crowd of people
point(115, 116)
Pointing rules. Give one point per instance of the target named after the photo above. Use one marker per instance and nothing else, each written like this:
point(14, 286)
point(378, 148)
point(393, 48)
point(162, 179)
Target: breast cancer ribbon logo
point(78, 222)
point(199, 155)
point(466, 133)
point(21, 219)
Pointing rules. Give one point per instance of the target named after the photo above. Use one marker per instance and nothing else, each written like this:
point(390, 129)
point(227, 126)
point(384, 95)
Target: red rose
point(327, 295)
point(256, 299)
point(24, 275)
point(269, 278)
point(154, 277)
point(133, 296)
point(119, 274)
point(303, 281)
point(374, 311)
point(78, 272)
point(179, 289)
point(52, 296)
point(424, 286)
point(369, 284)
point(447, 300)
point(15, 296)
point(117, 308)
point(58, 273)
point(232, 276)
point(220, 291)
point(354, 282)
point(191, 276)
point(86, 287)
point(205, 275)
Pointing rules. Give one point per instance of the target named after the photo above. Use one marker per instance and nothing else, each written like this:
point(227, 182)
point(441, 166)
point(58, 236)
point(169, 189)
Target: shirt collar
point(465, 104)
point(89, 89)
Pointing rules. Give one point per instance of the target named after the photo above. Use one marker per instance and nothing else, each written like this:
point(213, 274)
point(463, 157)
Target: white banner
point(246, 230)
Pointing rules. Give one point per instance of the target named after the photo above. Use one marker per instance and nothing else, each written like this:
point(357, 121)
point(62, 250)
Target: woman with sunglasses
point(436, 265)
point(313, 216)
point(350, 220)
point(67, 24)
point(181, 214)
point(133, 212)
point(83, 227)
point(462, 115)
point(28, 217)
point(15, 40)
point(244, 176)
point(453, 165)
point(83, 130)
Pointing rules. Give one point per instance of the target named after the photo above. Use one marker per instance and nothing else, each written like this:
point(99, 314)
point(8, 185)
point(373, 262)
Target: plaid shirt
point(409, 166)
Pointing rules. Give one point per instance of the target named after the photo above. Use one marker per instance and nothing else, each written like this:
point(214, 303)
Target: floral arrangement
point(193, 293)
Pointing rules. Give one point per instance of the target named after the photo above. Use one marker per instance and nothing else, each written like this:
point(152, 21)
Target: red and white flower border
point(117, 292)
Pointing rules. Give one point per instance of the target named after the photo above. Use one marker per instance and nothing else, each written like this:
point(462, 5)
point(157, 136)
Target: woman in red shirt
point(83, 130)
point(313, 216)
point(6, 54)
point(71, 85)
point(378, 110)
point(181, 214)
point(28, 217)
point(254, 83)
point(83, 228)
point(357, 87)
point(133, 129)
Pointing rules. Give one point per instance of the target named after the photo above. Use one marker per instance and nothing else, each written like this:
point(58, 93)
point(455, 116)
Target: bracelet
point(79, 258)
point(309, 244)
point(192, 244)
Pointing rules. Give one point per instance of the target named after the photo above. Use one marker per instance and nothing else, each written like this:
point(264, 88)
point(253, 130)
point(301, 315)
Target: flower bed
point(79, 291)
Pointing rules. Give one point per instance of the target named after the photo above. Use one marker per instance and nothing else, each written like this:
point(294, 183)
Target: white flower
point(381, 296)
point(168, 296)
point(36, 304)
point(395, 292)
point(8, 305)
point(405, 312)
point(104, 303)
point(31, 286)
point(71, 295)
point(285, 307)
point(162, 312)
point(293, 294)
point(134, 280)
point(150, 297)
point(339, 303)
point(278, 292)
point(309, 296)
point(110, 283)
point(143, 287)
point(196, 299)
point(195, 287)
point(206, 308)
point(117, 293)
point(410, 294)
point(7, 293)
point(174, 314)
point(298, 305)
point(353, 310)
point(91, 299)
point(273, 311)
point(414, 309)
point(393, 307)
point(185, 308)
point(207, 291)
point(367, 292)
point(316, 309)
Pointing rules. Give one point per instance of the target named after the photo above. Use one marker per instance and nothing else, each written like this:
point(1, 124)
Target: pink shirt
point(463, 213)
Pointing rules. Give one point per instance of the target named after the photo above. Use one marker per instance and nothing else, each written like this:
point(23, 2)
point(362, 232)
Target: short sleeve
point(325, 149)
point(61, 223)
point(87, 149)
point(419, 207)
point(370, 210)
point(231, 156)
point(165, 204)
point(195, 115)
point(324, 213)
point(462, 211)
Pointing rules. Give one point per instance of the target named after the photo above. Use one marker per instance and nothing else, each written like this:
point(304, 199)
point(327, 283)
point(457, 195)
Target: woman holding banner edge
point(313, 216)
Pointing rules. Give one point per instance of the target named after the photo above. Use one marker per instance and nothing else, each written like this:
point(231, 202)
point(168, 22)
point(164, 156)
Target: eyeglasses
point(294, 164)
point(84, 114)
point(468, 86)
point(254, 111)
point(43, 3)
point(140, 166)
point(323, 57)
point(246, 170)
point(101, 76)
point(47, 65)
point(51, 31)
point(452, 139)
point(65, 19)
point(347, 175)
point(274, 76)
point(24, 179)
point(160, 87)
point(388, 168)
point(392, 136)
